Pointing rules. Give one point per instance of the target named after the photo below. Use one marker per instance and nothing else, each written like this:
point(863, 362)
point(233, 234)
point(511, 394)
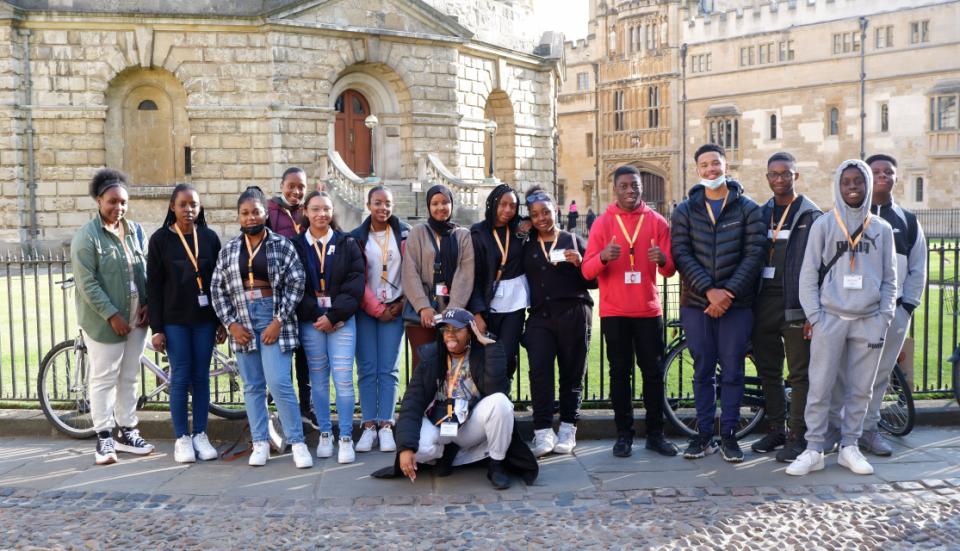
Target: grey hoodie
point(875, 257)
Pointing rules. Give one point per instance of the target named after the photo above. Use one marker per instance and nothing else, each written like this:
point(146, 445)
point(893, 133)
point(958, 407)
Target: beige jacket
point(417, 276)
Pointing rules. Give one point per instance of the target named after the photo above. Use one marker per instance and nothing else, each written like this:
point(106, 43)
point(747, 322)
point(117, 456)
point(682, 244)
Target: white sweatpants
point(487, 431)
point(113, 380)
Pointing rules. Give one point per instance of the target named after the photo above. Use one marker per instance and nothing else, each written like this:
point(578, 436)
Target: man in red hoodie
point(629, 244)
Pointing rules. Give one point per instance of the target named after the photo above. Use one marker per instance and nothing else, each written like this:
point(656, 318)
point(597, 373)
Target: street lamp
point(490, 127)
point(372, 122)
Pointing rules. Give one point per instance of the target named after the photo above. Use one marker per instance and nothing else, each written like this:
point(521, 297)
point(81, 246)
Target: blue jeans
point(331, 354)
point(378, 373)
point(189, 348)
point(268, 366)
point(713, 341)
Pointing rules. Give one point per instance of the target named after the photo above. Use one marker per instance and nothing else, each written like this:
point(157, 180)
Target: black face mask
point(253, 230)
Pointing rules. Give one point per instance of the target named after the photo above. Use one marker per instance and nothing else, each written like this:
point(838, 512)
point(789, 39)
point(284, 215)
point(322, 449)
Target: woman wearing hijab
point(438, 268)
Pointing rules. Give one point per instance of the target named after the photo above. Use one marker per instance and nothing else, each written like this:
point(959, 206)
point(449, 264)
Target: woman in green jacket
point(109, 264)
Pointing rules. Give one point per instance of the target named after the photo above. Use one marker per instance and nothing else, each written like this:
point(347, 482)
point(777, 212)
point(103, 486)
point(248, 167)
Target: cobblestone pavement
point(52, 497)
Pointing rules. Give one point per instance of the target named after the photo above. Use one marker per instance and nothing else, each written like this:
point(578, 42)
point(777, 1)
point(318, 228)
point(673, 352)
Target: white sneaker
point(809, 460)
point(205, 452)
point(260, 454)
point(367, 439)
point(345, 452)
point(387, 443)
point(301, 456)
point(544, 441)
point(325, 446)
point(566, 438)
point(183, 450)
point(851, 458)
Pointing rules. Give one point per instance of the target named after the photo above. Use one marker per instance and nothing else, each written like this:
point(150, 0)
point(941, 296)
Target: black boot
point(445, 464)
point(497, 476)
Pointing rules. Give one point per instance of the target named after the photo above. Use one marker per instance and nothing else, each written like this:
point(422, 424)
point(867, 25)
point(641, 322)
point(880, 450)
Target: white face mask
point(713, 184)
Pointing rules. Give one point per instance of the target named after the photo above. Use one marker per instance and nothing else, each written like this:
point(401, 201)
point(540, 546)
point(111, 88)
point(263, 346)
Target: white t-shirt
point(389, 290)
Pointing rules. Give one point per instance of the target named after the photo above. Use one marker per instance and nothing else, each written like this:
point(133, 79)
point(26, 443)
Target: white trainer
point(387, 443)
point(183, 450)
point(301, 456)
point(325, 446)
point(851, 458)
point(260, 454)
point(566, 438)
point(809, 460)
point(544, 441)
point(367, 439)
point(201, 444)
point(345, 452)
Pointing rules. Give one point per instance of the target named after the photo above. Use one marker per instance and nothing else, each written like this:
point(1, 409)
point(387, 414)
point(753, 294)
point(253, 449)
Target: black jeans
point(637, 340)
point(303, 378)
point(508, 328)
point(560, 338)
point(773, 339)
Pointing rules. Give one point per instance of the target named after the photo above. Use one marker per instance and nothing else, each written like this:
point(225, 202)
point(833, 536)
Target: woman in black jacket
point(501, 293)
point(558, 330)
point(334, 288)
point(456, 411)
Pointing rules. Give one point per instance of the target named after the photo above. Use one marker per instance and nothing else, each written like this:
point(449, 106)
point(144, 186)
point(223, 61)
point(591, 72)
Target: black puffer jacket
point(726, 256)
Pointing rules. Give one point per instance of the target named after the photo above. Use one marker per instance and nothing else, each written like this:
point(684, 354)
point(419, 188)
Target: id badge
point(768, 272)
point(324, 302)
point(853, 282)
point(383, 295)
point(631, 278)
point(254, 294)
point(500, 292)
point(203, 301)
point(449, 429)
point(442, 290)
point(556, 255)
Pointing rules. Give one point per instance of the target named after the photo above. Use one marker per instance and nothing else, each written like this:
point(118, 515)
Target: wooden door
point(148, 137)
point(654, 194)
point(352, 138)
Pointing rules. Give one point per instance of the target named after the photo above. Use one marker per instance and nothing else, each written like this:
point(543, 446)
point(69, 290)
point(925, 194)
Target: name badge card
point(253, 294)
point(448, 429)
point(324, 302)
point(631, 278)
point(500, 292)
point(768, 272)
point(853, 282)
point(557, 255)
point(442, 290)
point(203, 301)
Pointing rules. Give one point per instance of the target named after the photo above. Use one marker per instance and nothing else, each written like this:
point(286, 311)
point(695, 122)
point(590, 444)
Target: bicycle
point(63, 384)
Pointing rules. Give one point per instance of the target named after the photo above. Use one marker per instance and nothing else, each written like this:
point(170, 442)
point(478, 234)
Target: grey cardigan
point(417, 274)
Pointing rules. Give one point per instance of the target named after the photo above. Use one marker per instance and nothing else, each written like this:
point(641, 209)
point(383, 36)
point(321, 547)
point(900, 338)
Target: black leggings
point(508, 329)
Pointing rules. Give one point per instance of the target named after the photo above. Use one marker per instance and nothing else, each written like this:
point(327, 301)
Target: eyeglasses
point(786, 176)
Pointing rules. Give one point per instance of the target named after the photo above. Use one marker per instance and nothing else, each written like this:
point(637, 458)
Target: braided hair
point(171, 218)
point(493, 201)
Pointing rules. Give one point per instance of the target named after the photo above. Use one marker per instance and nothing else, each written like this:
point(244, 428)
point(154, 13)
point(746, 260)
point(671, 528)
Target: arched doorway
point(351, 136)
point(149, 155)
point(654, 192)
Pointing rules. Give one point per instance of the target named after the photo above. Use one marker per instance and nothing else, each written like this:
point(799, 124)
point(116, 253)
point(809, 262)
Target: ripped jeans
point(331, 354)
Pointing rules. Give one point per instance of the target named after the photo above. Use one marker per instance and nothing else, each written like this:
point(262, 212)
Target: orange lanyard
point(504, 251)
point(632, 240)
point(296, 226)
point(710, 210)
point(450, 384)
point(776, 232)
point(853, 242)
point(384, 252)
point(251, 254)
point(192, 255)
point(546, 255)
point(322, 255)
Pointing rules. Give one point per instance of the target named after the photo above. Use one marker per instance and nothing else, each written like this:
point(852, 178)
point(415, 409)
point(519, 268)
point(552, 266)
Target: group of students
point(294, 284)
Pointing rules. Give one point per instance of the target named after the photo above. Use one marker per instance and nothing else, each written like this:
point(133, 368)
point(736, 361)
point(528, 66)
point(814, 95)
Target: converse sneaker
point(301, 456)
point(205, 452)
point(387, 443)
point(345, 450)
point(106, 453)
point(770, 442)
point(809, 460)
point(700, 446)
point(129, 441)
point(566, 438)
point(183, 450)
point(544, 441)
point(367, 439)
point(325, 446)
point(730, 449)
point(874, 442)
point(260, 454)
point(851, 458)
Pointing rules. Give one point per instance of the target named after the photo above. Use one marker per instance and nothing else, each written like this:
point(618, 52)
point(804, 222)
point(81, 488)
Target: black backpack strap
point(913, 229)
point(825, 268)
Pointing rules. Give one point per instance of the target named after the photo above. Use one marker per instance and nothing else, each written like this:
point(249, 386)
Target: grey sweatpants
point(892, 344)
point(843, 353)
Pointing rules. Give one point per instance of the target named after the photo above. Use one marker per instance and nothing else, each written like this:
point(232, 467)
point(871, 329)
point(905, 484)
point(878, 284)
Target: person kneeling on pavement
point(456, 411)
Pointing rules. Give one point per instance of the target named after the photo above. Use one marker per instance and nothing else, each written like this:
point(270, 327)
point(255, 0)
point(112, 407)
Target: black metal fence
point(939, 223)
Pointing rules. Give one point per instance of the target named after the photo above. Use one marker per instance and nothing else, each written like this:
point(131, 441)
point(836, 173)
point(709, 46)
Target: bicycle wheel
point(62, 387)
point(226, 390)
point(897, 413)
point(678, 395)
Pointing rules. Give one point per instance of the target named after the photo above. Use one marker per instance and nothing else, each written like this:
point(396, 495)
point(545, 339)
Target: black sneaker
point(624, 446)
point(792, 449)
point(730, 449)
point(106, 453)
point(700, 446)
point(128, 440)
point(770, 442)
point(497, 476)
point(659, 444)
point(309, 419)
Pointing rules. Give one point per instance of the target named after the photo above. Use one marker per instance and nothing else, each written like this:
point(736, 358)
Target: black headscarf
point(449, 250)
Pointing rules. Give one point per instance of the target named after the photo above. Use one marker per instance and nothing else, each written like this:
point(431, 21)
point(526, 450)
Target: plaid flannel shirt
point(287, 280)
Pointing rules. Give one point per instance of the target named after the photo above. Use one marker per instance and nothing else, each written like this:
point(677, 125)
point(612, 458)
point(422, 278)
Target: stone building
point(227, 94)
point(655, 79)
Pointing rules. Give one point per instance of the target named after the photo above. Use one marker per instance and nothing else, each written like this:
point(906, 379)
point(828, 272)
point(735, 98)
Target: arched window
point(918, 190)
point(834, 121)
point(773, 126)
point(147, 105)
